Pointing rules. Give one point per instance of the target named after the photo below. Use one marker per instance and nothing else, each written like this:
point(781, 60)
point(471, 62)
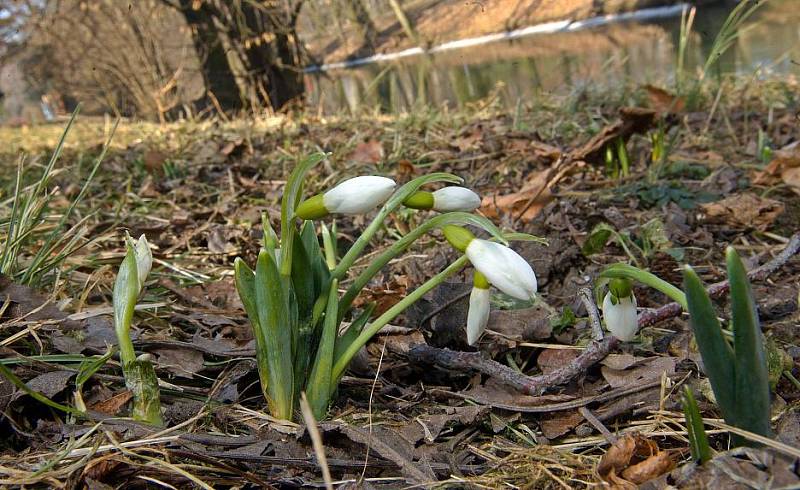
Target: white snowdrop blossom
point(620, 316)
point(478, 314)
point(504, 268)
point(455, 198)
point(358, 195)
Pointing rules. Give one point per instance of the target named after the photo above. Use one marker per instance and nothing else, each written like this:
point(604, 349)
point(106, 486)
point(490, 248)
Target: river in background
point(632, 51)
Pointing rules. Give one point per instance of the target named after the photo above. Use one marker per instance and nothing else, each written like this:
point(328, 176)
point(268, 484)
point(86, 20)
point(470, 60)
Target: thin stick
point(316, 440)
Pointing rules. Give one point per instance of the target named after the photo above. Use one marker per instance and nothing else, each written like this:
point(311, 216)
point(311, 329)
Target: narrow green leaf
point(275, 321)
point(290, 200)
point(303, 278)
point(90, 366)
point(698, 439)
point(752, 377)
point(718, 359)
point(319, 387)
point(597, 239)
point(350, 335)
point(126, 290)
point(245, 280)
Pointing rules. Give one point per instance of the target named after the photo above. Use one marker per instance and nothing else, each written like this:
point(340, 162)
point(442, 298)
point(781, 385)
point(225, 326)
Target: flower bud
point(478, 314)
point(444, 200)
point(358, 195)
point(144, 258)
point(504, 268)
point(619, 314)
point(455, 198)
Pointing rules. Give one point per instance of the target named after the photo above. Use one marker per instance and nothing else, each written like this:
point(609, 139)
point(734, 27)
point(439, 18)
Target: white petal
point(455, 198)
point(621, 319)
point(478, 315)
point(358, 195)
point(144, 259)
point(504, 268)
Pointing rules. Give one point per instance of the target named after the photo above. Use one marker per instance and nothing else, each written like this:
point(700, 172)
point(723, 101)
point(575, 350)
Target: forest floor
point(728, 174)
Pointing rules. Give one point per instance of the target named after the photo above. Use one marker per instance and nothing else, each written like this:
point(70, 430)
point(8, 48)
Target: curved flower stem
point(403, 243)
point(371, 329)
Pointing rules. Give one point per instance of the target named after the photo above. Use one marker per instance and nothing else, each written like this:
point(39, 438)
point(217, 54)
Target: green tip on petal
point(620, 287)
point(419, 200)
point(479, 280)
point(312, 208)
point(459, 237)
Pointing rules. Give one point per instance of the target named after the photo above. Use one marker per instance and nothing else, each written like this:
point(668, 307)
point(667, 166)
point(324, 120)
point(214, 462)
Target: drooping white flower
point(144, 259)
point(504, 268)
point(358, 195)
point(478, 314)
point(455, 198)
point(620, 316)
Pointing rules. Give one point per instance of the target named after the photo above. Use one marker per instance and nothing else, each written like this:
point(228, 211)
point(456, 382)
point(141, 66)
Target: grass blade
point(698, 439)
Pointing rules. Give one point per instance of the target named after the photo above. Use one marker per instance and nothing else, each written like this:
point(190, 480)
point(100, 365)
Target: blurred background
point(163, 60)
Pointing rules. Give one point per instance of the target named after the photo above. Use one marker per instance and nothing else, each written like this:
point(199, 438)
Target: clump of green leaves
point(738, 373)
point(306, 332)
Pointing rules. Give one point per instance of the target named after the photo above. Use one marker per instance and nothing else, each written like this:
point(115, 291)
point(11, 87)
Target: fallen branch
point(595, 352)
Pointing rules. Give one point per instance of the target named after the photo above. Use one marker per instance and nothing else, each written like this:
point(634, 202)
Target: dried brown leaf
point(745, 210)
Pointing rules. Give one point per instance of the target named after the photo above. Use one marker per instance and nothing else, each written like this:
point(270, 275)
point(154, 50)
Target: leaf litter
point(198, 193)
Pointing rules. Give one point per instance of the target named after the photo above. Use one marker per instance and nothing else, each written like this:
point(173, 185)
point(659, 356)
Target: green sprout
point(306, 332)
point(738, 372)
point(140, 376)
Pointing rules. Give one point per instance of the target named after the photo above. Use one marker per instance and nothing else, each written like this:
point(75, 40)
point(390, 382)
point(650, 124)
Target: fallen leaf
point(48, 384)
point(634, 120)
point(633, 459)
point(663, 101)
point(559, 423)
point(111, 406)
point(640, 372)
point(785, 166)
point(526, 203)
point(745, 210)
point(550, 360)
point(180, 362)
point(370, 151)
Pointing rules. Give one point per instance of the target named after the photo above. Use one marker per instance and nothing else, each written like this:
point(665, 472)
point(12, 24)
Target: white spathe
point(621, 319)
point(504, 268)
point(455, 198)
point(144, 259)
point(358, 195)
point(478, 315)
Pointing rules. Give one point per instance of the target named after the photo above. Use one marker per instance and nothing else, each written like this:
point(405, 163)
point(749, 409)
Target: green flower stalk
point(140, 377)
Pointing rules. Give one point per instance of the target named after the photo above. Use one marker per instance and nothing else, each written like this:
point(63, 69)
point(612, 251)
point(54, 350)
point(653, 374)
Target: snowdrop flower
point(358, 195)
point(619, 310)
point(444, 200)
point(144, 258)
point(504, 268)
point(478, 314)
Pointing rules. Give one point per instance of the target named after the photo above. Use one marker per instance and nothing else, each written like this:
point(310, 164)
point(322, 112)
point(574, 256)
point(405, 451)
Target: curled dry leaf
point(632, 460)
point(745, 210)
point(370, 152)
point(785, 167)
